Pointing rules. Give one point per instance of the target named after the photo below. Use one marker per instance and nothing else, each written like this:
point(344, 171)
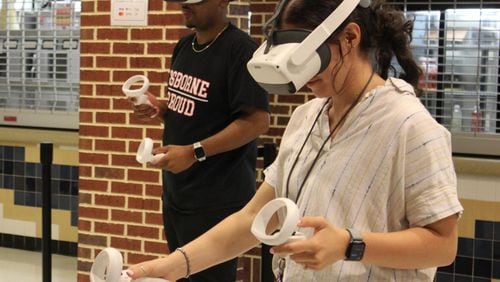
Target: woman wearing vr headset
point(369, 168)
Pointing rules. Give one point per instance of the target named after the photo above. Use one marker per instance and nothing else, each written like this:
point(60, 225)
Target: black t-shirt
point(207, 91)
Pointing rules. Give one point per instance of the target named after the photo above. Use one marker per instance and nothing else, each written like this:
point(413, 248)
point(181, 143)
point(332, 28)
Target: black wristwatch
point(356, 248)
point(199, 153)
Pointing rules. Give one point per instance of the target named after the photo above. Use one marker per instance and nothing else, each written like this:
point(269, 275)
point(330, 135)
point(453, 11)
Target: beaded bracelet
point(188, 266)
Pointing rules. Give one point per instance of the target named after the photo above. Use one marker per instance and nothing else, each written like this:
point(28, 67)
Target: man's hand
point(177, 158)
point(146, 112)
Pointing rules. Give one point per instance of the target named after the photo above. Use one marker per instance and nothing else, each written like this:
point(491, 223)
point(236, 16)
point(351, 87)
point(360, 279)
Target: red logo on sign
point(10, 118)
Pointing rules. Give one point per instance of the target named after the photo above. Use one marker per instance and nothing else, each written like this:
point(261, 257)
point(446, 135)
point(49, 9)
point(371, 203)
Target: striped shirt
point(388, 168)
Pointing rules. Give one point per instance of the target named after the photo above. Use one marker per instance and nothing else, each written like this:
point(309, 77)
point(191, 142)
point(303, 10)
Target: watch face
point(356, 251)
point(199, 153)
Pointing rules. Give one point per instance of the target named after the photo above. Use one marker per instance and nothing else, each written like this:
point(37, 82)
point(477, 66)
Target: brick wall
point(120, 199)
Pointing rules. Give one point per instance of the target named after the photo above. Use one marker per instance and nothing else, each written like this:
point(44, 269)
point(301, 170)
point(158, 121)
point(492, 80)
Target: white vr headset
point(288, 59)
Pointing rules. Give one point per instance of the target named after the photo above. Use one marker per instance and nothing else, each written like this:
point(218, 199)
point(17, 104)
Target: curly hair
point(384, 31)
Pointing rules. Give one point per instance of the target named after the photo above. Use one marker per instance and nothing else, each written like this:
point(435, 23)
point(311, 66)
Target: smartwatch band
point(355, 234)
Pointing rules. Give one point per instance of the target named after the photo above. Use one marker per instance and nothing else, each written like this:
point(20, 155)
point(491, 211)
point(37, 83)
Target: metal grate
point(457, 46)
point(39, 63)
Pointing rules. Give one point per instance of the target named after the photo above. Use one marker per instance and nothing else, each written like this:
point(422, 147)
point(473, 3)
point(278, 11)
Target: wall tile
point(444, 277)
point(465, 247)
point(9, 153)
point(483, 248)
point(30, 169)
point(463, 265)
point(8, 167)
point(19, 154)
point(496, 231)
point(463, 278)
point(479, 279)
point(484, 229)
point(482, 268)
point(496, 269)
point(26, 181)
point(496, 250)
point(447, 269)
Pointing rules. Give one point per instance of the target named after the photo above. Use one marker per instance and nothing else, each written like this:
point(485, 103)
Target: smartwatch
point(356, 248)
point(199, 153)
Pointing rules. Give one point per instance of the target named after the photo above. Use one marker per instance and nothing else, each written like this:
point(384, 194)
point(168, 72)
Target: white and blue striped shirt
point(387, 169)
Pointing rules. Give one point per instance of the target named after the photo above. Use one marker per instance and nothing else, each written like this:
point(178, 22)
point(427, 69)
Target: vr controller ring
point(132, 80)
point(288, 227)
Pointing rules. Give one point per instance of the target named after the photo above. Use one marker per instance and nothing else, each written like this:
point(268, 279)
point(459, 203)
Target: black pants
point(181, 228)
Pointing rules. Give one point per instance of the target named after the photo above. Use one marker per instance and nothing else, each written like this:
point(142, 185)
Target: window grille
point(39, 63)
point(457, 45)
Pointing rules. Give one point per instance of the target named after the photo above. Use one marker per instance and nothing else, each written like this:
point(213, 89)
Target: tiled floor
point(26, 266)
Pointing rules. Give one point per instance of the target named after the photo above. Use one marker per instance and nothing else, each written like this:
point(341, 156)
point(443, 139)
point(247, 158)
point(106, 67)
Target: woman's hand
point(327, 245)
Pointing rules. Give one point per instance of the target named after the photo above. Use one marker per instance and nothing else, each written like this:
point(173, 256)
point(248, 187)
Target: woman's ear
point(352, 35)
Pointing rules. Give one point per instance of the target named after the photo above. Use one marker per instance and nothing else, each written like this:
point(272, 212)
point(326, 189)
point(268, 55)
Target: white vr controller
point(144, 152)
point(139, 93)
point(108, 267)
point(287, 232)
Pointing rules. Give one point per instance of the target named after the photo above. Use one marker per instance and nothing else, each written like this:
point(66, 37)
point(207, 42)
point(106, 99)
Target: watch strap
point(355, 235)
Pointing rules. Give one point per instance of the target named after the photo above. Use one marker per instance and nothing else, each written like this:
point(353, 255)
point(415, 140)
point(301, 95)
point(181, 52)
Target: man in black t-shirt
point(213, 113)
